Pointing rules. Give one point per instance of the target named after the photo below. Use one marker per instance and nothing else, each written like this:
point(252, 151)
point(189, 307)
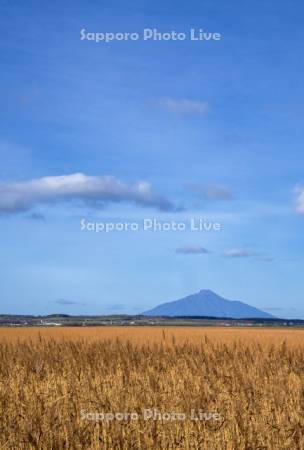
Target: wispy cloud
point(183, 106)
point(299, 193)
point(238, 253)
point(64, 302)
point(23, 196)
point(264, 258)
point(210, 192)
point(246, 253)
point(192, 250)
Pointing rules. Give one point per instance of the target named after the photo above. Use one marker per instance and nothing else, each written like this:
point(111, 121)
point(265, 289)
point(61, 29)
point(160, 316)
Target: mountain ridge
point(207, 303)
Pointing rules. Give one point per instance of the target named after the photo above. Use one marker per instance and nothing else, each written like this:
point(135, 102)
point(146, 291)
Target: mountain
point(207, 303)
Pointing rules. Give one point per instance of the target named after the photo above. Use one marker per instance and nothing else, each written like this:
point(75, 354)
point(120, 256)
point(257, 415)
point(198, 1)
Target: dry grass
point(153, 334)
point(251, 378)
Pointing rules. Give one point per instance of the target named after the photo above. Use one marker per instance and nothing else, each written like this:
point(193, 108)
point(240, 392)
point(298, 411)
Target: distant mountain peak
point(208, 303)
point(206, 291)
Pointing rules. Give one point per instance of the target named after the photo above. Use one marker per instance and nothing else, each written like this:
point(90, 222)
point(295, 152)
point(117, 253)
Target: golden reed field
point(151, 388)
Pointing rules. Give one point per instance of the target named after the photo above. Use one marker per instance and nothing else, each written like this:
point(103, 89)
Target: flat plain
point(151, 388)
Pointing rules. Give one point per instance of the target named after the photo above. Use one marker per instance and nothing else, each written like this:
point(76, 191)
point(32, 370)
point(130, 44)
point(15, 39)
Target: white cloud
point(245, 253)
point(238, 253)
point(23, 196)
point(184, 106)
point(299, 191)
point(192, 250)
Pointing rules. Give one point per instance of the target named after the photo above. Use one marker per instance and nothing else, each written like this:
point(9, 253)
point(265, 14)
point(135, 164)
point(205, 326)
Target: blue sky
point(154, 129)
